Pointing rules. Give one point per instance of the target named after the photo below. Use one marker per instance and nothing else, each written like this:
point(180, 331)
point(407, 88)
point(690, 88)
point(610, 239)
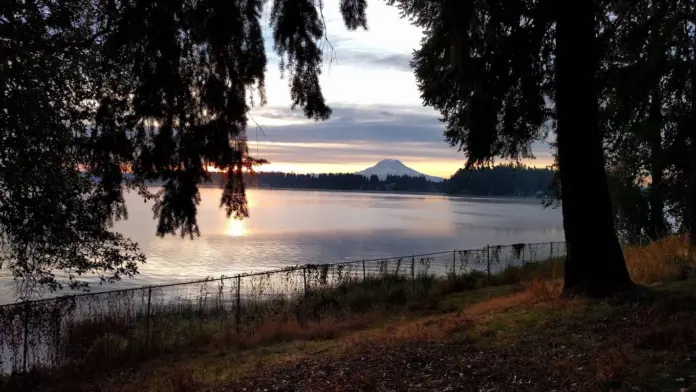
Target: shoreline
point(415, 193)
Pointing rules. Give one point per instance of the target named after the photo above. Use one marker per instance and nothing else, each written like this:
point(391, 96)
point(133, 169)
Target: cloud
point(353, 123)
point(388, 42)
point(360, 136)
point(352, 152)
point(396, 61)
point(360, 67)
point(377, 124)
point(377, 109)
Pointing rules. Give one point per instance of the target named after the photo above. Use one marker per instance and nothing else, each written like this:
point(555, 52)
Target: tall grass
point(666, 259)
point(323, 311)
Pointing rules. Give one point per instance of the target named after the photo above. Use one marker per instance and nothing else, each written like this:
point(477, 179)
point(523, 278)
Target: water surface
point(299, 227)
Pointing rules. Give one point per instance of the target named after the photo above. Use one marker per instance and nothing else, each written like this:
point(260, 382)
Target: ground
point(516, 343)
point(515, 338)
point(519, 337)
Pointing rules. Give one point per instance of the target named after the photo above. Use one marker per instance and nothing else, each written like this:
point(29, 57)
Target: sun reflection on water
point(235, 228)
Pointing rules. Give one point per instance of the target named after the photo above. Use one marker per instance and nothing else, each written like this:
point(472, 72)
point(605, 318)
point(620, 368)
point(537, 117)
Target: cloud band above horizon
point(377, 110)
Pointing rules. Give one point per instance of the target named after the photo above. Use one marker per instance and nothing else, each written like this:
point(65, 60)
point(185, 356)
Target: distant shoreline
point(350, 191)
point(416, 193)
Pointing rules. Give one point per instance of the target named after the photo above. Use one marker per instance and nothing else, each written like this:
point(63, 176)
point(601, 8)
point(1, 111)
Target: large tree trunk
point(692, 195)
point(691, 224)
point(657, 222)
point(594, 263)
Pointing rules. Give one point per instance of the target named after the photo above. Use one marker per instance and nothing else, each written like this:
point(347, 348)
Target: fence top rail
point(288, 269)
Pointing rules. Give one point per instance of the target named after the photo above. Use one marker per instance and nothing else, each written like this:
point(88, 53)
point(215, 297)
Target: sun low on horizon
point(236, 228)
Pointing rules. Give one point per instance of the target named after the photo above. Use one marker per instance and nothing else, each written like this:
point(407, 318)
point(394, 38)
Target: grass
point(640, 340)
point(236, 356)
point(660, 261)
point(103, 341)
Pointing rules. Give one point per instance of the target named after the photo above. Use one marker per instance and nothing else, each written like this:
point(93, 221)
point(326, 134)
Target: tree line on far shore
point(499, 180)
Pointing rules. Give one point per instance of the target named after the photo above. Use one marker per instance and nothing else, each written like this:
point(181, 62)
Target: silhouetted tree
point(374, 182)
point(639, 101)
point(501, 180)
point(691, 221)
point(648, 127)
point(343, 181)
point(160, 90)
point(490, 70)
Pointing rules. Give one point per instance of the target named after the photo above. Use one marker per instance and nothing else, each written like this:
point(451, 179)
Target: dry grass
point(527, 341)
point(666, 259)
point(289, 329)
point(659, 261)
point(527, 330)
point(525, 315)
point(529, 333)
point(461, 321)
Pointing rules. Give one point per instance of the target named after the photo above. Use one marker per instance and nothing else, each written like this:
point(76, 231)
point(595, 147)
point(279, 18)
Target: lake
point(289, 227)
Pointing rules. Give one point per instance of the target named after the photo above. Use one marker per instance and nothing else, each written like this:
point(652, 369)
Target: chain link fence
point(126, 324)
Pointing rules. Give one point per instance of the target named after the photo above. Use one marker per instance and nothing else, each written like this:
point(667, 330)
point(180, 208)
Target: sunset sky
point(377, 110)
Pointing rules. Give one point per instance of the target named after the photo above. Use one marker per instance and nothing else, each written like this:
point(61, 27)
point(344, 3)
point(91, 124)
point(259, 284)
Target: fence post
point(147, 318)
point(488, 261)
point(413, 272)
point(26, 336)
point(364, 280)
point(454, 264)
point(523, 264)
point(364, 275)
point(550, 251)
point(57, 338)
point(304, 278)
point(237, 316)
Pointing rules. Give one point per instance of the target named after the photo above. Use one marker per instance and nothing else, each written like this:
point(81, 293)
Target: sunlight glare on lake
point(235, 228)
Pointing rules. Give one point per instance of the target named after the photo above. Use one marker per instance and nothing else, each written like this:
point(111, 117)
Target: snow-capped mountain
point(394, 167)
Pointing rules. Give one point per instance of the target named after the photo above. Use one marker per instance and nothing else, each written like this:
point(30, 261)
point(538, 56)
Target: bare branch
point(332, 55)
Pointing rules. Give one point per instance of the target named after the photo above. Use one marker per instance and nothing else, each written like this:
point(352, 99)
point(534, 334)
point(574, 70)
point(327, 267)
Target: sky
point(377, 110)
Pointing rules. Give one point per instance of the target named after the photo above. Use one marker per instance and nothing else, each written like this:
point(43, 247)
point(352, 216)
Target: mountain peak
point(387, 167)
point(390, 162)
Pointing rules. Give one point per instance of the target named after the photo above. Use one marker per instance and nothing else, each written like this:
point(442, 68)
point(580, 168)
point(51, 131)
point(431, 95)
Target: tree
point(641, 109)
point(587, 211)
point(490, 68)
point(374, 182)
point(637, 71)
point(100, 96)
point(630, 204)
point(501, 180)
point(649, 127)
point(692, 139)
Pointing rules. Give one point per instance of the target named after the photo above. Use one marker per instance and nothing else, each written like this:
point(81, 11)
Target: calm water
point(298, 227)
